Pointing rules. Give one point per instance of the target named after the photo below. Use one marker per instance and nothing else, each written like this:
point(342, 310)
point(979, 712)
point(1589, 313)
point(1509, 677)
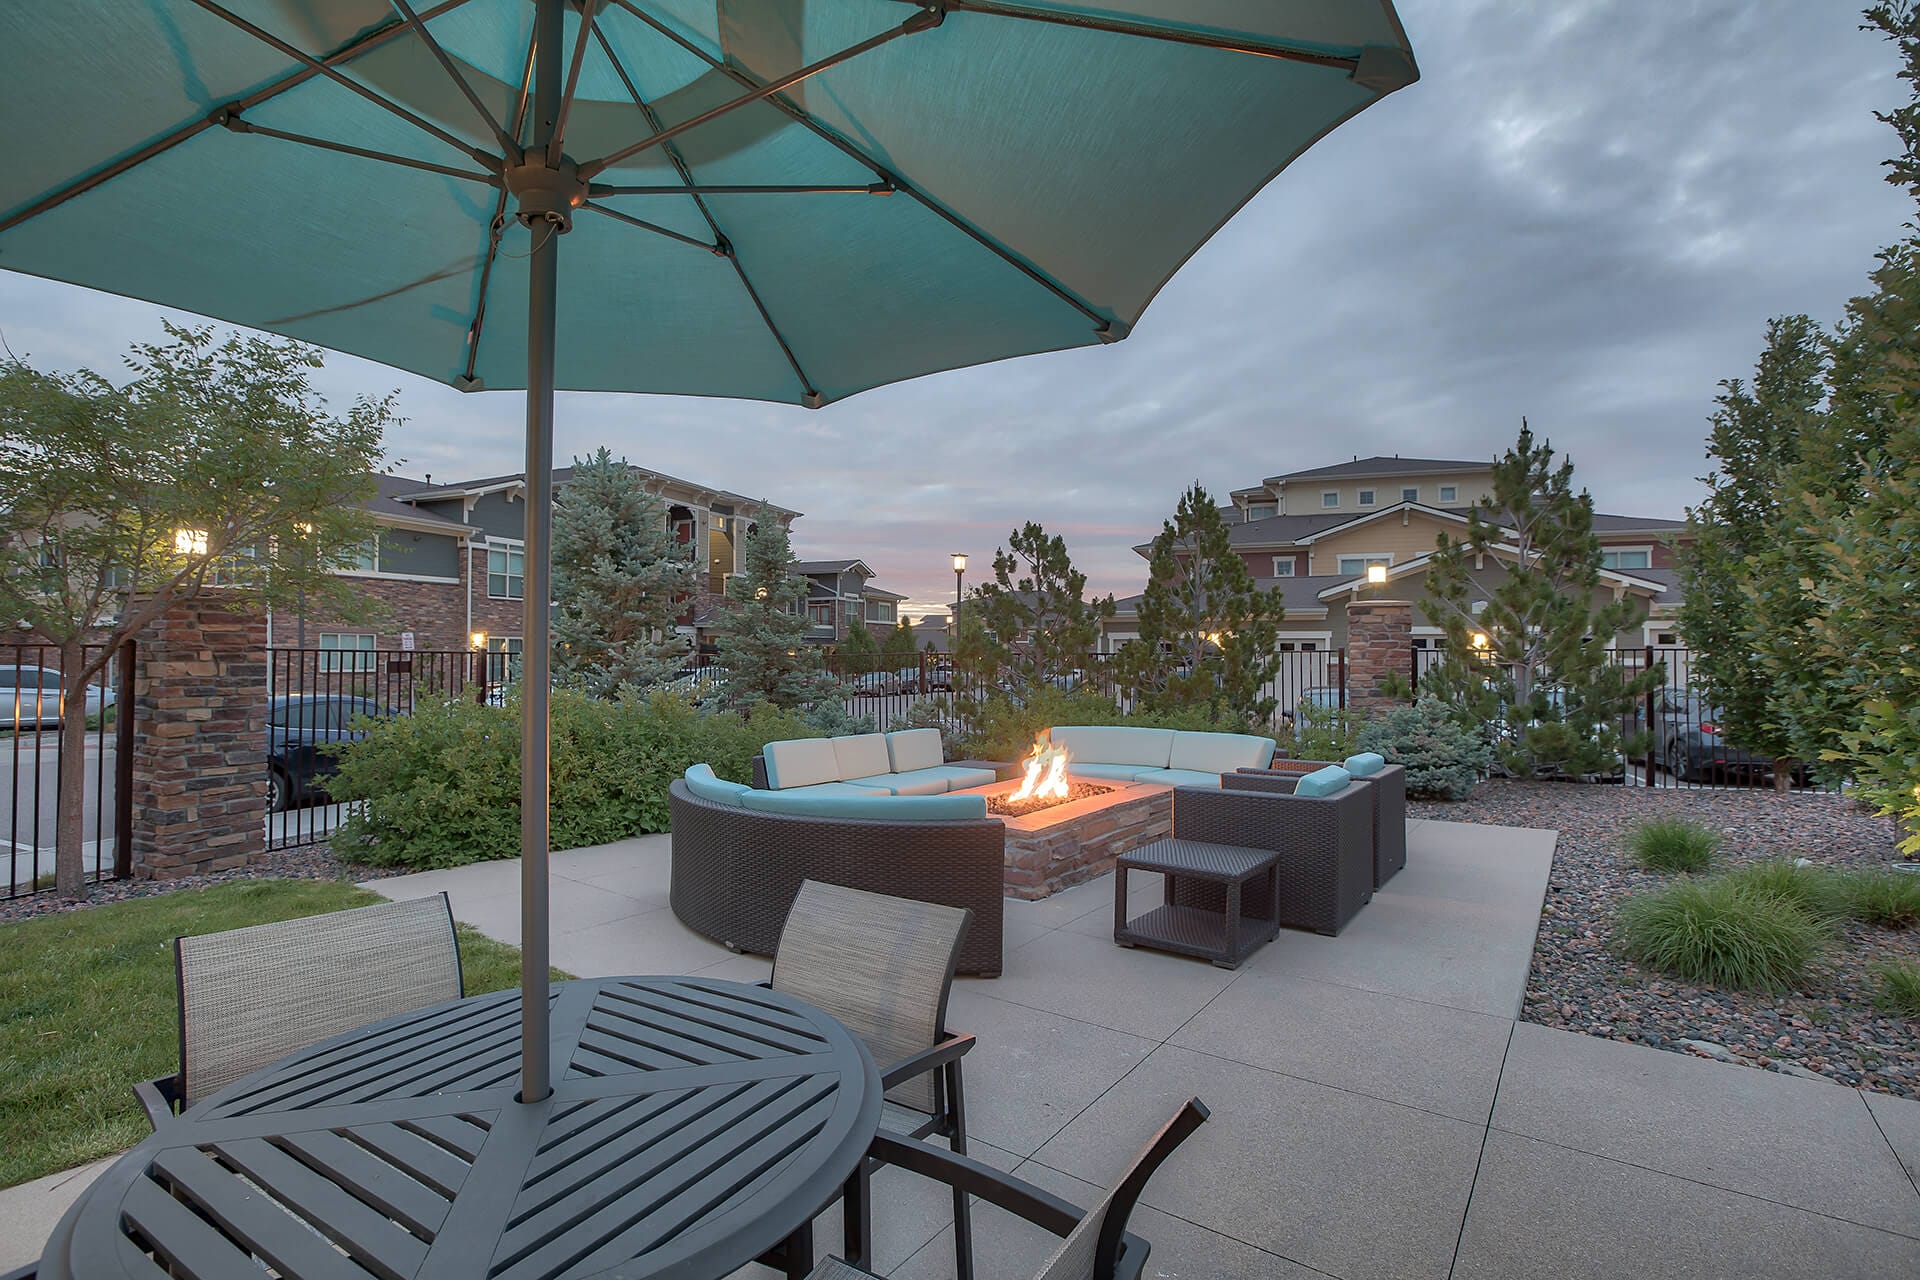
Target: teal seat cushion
point(1324, 782)
point(701, 781)
point(1366, 764)
point(836, 789)
point(1108, 772)
point(902, 784)
point(808, 802)
point(1180, 777)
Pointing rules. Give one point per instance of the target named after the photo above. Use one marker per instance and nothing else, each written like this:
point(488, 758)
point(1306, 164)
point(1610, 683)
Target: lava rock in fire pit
point(1005, 808)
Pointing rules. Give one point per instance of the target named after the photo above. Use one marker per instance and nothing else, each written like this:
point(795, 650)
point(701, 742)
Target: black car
point(1691, 743)
point(297, 725)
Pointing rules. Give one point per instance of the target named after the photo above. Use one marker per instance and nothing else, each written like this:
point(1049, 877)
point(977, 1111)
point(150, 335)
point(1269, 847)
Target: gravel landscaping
point(306, 862)
point(1830, 1029)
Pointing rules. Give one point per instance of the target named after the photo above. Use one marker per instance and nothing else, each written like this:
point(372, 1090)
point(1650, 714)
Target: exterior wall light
point(1376, 575)
point(477, 641)
point(190, 542)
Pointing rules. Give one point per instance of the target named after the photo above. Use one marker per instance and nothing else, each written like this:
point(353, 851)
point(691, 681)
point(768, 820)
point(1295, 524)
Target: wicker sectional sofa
point(1170, 757)
point(907, 762)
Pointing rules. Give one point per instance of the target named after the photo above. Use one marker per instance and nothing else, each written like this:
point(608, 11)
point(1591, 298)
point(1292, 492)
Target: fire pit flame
point(1046, 777)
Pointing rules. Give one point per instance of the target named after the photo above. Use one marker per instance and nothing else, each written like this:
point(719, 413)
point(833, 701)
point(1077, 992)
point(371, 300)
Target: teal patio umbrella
point(788, 200)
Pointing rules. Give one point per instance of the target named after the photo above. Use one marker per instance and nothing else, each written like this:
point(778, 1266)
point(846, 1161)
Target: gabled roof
point(1297, 595)
point(1419, 563)
point(1637, 524)
point(1302, 530)
point(880, 593)
point(811, 567)
point(1361, 468)
point(386, 507)
point(424, 492)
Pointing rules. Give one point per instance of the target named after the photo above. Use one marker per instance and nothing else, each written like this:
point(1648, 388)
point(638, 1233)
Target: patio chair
point(1387, 790)
point(884, 967)
point(1095, 1245)
point(1324, 872)
point(251, 996)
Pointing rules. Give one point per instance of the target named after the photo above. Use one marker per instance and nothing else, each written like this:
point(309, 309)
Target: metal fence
point(32, 707)
point(313, 697)
point(1674, 726)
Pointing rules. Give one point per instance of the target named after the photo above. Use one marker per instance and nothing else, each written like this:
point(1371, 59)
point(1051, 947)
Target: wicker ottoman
point(1225, 937)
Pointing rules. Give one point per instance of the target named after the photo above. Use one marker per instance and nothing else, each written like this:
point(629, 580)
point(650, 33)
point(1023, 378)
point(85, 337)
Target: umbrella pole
point(536, 650)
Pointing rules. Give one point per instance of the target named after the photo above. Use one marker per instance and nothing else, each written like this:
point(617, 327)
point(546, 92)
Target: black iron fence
point(32, 709)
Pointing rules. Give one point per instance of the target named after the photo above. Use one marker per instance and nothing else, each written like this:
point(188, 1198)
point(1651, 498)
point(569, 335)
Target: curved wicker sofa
point(736, 870)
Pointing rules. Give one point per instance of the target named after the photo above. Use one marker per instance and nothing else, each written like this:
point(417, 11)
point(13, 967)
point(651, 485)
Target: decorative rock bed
point(1578, 983)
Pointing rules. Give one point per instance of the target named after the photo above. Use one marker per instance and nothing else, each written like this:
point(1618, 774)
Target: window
point(1358, 564)
point(1308, 646)
point(1664, 638)
point(506, 573)
point(1627, 558)
point(1283, 566)
point(1449, 494)
point(880, 611)
point(503, 658)
point(1366, 497)
point(345, 652)
point(366, 556)
point(820, 614)
point(1410, 494)
point(1330, 499)
point(1259, 510)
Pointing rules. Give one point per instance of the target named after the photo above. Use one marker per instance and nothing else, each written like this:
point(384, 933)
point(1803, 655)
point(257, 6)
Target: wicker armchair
point(251, 996)
point(1324, 873)
point(1389, 796)
point(884, 967)
point(1095, 1245)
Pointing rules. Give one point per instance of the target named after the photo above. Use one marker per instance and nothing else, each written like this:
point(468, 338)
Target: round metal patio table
point(694, 1125)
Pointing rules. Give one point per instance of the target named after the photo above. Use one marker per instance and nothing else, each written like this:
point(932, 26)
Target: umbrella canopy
point(787, 200)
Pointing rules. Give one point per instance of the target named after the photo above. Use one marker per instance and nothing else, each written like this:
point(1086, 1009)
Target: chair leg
point(856, 1208)
point(799, 1252)
point(962, 1206)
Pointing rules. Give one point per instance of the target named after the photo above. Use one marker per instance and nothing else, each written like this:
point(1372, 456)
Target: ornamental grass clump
point(1672, 845)
point(1815, 890)
point(1897, 988)
point(1890, 899)
point(1719, 932)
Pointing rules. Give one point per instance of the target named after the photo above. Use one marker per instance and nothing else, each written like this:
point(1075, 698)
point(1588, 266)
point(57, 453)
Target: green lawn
point(87, 1008)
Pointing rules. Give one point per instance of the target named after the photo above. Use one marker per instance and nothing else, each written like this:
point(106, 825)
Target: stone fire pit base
point(1069, 844)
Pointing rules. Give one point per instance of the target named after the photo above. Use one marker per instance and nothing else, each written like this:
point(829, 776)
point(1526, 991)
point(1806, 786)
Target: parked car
point(297, 726)
point(1690, 743)
point(876, 684)
point(30, 697)
point(940, 676)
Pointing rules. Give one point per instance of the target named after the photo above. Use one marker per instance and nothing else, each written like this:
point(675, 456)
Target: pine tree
point(620, 581)
point(859, 652)
point(1544, 675)
point(1208, 634)
point(1039, 624)
point(761, 636)
point(898, 651)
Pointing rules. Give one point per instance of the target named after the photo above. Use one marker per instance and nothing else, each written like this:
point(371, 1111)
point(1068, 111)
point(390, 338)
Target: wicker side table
point(1225, 937)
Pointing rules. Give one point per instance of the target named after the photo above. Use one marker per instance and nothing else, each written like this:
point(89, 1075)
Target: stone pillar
point(200, 741)
point(1379, 643)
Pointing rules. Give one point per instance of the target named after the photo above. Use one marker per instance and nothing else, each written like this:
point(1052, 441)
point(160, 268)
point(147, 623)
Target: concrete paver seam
point(1466, 1210)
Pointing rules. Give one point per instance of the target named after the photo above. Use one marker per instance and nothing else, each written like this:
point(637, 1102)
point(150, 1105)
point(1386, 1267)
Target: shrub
point(1898, 988)
point(1443, 759)
point(1000, 728)
point(1718, 932)
point(1814, 890)
point(1326, 733)
point(442, 786)
point(1672, 844)
point(1890, 899)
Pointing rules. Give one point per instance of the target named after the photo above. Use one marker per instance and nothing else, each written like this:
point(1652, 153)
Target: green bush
point(1815, 890)
point(442, 786)
point(1326, 733)
point(1672, 844)
point(1898, 988)
point(1000, 728)
point(1443, 759)
point(1890, 899)
point(1720, 932)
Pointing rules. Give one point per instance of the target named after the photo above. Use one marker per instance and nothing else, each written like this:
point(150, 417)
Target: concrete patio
point(1377, 1110)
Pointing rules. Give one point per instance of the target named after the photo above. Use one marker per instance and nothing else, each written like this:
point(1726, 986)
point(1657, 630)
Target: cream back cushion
point(916, 749)
point(1116, 744)
point(1220, 752)
point(861, 756)
point(801, 762)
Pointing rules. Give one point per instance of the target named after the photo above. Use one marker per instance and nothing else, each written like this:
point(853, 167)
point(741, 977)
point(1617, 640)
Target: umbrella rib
point(509, 146)
point(809, 395)
point(498, 227)
point(1103, 325)
point(234, 123)
point(922, 20)
point(160, 146)
point(345, 81)
point(559, 138)
point(865, 189)
point(655, 227)
point(1145, 31)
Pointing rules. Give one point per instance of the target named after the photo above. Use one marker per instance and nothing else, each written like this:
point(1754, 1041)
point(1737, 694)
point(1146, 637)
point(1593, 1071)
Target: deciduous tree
point(214, 468)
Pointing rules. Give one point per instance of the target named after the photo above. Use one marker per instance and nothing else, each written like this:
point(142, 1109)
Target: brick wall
point(436, 612)
point(200, 742)
point(1379, 642)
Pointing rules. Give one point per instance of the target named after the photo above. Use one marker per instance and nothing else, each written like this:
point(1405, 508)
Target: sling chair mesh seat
point(251, 996)
point(1094, 1245)
point(884, 967)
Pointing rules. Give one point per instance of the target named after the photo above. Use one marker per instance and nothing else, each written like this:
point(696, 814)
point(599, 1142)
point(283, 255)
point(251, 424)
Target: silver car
point(30, 697)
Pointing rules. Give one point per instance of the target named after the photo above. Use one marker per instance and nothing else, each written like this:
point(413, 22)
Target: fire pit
point(1044, 783)
point(1009, 807)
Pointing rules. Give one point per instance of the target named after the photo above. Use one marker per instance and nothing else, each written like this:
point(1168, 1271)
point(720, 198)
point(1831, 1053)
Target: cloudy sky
point(1584, 212)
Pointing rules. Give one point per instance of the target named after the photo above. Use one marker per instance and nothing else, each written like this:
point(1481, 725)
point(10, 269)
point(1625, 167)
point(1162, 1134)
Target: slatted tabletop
point(696, 1124)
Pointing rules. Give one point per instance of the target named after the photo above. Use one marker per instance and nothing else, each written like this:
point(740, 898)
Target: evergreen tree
point(761, 637)
point(1544, 677)
point(898, 651)
point(859, 652)
point(620, 581)
point(1038, 622)
point(1207, 633)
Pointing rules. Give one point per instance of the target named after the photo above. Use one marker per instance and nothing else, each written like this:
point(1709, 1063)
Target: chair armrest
point(158, 1098)
point(1018, 1197)
point(1260, 780)
point(948, 1050)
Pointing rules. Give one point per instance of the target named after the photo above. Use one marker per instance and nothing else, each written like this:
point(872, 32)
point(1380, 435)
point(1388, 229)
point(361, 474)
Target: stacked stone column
point(1379, 643)
point(200, 742)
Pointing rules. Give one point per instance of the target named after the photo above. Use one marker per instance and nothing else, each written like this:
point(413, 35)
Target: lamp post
point(959, 584)
point(478, 643)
